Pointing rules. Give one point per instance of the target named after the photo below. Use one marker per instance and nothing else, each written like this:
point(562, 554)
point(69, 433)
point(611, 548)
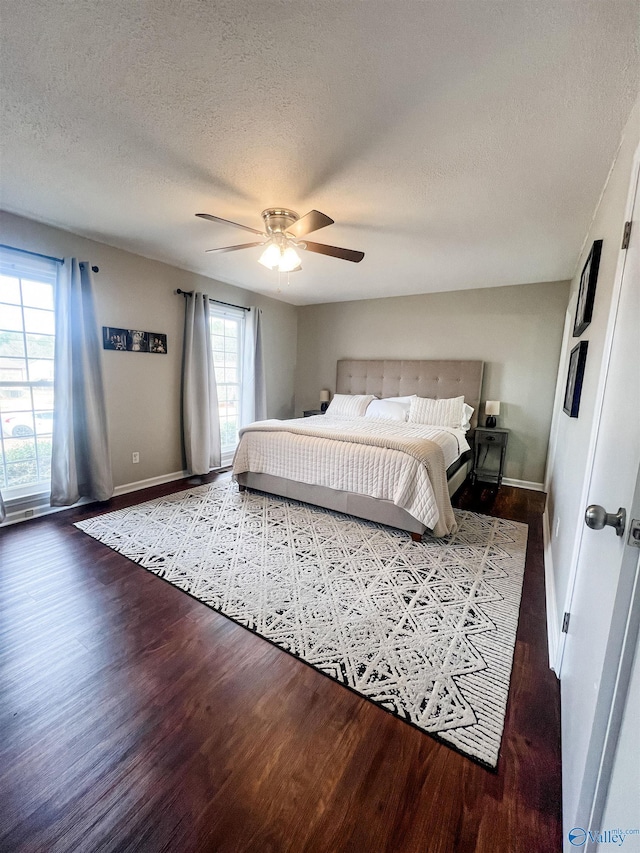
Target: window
point(227, 336)
point(27, 335)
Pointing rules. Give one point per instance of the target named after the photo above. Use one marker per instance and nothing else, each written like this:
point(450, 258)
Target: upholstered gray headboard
point(435, 379)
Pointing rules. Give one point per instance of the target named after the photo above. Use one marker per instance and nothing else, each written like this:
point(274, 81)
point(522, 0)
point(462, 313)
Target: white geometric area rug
point(425, 630)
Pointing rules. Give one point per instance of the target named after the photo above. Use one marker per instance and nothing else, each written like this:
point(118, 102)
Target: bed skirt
point(362, 506)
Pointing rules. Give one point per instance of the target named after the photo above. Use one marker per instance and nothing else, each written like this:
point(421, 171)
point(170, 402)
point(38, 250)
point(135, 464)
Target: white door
point(601, 596)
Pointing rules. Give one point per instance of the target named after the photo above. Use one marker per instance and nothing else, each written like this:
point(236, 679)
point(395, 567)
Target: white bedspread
point(306, 450)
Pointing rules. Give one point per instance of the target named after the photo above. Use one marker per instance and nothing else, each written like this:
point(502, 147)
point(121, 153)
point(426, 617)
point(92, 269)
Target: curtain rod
point(39, 255)
point(218, 301)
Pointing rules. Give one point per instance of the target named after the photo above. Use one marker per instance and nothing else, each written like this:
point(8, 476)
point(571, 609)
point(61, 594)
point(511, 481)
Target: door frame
point(625, 622)
point(556, 665)
point(613, 691)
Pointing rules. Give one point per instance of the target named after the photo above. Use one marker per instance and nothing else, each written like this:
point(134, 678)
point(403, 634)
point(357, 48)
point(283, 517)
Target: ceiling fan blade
point(335, 252)
point(212, 218)
point(311, 221)
point(234, 248)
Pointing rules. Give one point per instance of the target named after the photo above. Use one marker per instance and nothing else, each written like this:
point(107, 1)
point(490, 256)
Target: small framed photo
point(575, 376)
point(587, 291)
point(157, 342)
point(137, 341)
point(113, 338)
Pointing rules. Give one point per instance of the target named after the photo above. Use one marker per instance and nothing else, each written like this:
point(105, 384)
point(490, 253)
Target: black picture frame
point(137, 341)
point(575, 376)
point(133, 340)
point(114, 338)
point(157, 343)
point(587, 291)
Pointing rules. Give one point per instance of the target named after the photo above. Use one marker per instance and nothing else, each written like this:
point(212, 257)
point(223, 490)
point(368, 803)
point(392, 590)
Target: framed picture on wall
point(157, 342)
point(587, 291)
point(114, 338)
point(137, 341)
point(133, 340)
point(575, 376)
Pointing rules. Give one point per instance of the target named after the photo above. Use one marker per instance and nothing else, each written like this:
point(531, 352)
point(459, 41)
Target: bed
point(260, 462)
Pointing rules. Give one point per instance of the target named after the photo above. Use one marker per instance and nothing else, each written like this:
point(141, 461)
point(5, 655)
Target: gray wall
point(143, 390)
point(516, 331)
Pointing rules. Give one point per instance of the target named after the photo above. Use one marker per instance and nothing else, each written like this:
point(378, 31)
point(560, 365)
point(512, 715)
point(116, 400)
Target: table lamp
point(324, 399)
point(492, 408)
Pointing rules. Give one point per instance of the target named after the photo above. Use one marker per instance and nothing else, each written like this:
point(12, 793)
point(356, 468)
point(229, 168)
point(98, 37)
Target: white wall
point(570, 437)
point(515, 330)
point(142, 389)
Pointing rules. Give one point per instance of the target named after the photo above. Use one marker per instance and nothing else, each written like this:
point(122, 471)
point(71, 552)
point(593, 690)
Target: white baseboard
point(146, 484)
point(36, 506)
point(523, 484)
point(20, 514)
point(553, 635)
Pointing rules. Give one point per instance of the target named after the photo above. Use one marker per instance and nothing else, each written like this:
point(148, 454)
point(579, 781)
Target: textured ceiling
point(458, 143)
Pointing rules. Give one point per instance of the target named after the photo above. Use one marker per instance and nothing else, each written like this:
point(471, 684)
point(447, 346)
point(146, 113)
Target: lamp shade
point(324, 395)
point(492, 407)
point(289, 261)
point(280, 255)
point(270, 257)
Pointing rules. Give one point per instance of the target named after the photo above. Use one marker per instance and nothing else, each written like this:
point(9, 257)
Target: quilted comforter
point(401, 462)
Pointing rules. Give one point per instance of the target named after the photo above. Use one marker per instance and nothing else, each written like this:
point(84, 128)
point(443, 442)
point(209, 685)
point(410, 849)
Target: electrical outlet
point(135, 457)
point(557, 526)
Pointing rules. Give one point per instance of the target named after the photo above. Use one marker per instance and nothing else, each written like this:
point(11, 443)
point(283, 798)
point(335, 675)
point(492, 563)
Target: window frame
point(238, 316)
point(25, 268)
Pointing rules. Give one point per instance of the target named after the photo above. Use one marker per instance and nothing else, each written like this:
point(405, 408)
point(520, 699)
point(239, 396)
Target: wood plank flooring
point(133, 718)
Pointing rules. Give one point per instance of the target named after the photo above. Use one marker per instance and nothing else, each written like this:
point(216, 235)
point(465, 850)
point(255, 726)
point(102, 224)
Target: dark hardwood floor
point(133, 718)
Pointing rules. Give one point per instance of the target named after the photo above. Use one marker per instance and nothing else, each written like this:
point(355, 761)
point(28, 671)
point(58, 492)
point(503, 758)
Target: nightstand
point(489, 450)
point(310, 412)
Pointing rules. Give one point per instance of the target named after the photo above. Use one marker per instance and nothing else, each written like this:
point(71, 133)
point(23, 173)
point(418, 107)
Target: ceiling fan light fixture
point(283, 229)
point(270, 257)
point(289, 261)
point(280, 256)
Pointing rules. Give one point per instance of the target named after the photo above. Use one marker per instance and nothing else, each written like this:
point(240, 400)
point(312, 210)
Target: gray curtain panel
point(200, 424)
point(80, 459)
point(254, 389)
point(3, 513)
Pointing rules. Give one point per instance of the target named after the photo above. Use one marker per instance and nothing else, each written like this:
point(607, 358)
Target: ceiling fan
point(282, 232)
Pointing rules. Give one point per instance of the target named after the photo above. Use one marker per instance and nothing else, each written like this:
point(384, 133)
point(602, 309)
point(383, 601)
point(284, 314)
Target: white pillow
point(467, 412)
point(405, 402)
point(444, 413)
point(388, 409)
point(402, 400)
point(349, 405)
